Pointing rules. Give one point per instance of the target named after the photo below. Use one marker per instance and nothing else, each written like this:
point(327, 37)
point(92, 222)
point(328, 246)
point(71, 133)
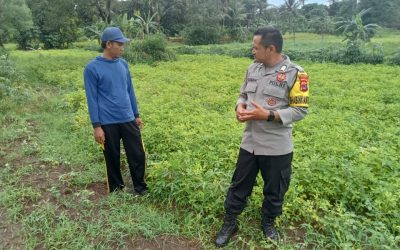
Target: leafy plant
point(395, 59)
point(200, 35)
point(355, 30)
point(146, 22)
point(150, 50)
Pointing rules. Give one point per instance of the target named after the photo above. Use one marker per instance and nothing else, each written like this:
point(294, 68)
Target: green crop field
point(385, 42)
point(344, 192)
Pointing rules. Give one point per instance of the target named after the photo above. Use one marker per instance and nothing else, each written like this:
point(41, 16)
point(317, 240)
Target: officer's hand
point(240, 111)
point(139, 122)
point(258, 113)
point(99, 135)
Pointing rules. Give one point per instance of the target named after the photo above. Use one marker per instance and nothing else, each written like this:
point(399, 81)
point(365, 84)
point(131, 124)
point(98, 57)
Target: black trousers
point(275, 171)
point(132, 140)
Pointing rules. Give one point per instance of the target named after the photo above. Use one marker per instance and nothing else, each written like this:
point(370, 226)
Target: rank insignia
point(281, 77)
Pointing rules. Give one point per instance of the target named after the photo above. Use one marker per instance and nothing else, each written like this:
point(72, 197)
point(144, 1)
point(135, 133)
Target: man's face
point(261, 54)
point(115, 49)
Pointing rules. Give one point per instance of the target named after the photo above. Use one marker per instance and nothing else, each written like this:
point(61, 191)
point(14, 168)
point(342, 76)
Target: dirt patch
point(10, 234)
point(100, 190)
point(45, 176)
point(164, 242)
point(296, 233)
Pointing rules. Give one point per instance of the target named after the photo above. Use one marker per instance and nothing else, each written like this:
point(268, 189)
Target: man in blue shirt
point(114, 112)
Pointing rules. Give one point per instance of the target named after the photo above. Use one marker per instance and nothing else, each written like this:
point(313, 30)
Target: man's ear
point(108, 44)
point(272, 48)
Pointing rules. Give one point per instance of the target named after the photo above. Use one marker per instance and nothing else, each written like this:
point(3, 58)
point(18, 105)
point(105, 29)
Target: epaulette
point(299, 68)
point(283, 68)
point(290, 67)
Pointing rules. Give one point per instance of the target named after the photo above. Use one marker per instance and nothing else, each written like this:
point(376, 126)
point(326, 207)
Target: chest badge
point(281, 74)
point(271, 101)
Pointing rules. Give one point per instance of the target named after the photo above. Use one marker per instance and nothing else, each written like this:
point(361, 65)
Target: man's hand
point(99, 135)
point(240, 109)
point(139, 122)
point(258, 113)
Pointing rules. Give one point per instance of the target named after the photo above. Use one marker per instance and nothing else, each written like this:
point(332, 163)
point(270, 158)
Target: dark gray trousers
point(275, 171)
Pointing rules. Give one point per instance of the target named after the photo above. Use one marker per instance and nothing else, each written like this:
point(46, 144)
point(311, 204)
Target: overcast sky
point(280, 2)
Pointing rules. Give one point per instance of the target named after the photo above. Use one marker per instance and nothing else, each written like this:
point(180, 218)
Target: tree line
point(58, 23)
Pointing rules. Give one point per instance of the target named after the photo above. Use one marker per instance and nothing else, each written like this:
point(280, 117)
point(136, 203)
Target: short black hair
point(270, 36)
point(104, 44)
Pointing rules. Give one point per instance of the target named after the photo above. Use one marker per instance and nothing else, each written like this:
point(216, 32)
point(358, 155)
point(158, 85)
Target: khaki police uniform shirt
point(282, 88)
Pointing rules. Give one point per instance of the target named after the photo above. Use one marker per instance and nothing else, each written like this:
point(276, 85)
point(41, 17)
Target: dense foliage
point(16, 23)
point(58, 23)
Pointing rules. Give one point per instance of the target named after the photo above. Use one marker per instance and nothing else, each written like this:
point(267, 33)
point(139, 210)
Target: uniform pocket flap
point(274, 91)
point(251, 87)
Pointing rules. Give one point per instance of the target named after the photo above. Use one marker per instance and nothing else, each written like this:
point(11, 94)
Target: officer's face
point(261, 53)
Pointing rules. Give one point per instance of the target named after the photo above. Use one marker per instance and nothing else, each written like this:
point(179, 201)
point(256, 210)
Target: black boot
point(228, 229)
point(268, 227)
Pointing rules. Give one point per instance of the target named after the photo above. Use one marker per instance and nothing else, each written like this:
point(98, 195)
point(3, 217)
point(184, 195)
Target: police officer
point(273, 96)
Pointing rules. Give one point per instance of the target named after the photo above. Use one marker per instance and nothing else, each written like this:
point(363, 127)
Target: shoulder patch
point(298, 96)
point(299, 68)
point(303, 78)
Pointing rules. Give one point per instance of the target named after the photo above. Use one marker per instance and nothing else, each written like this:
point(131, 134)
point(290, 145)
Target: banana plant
point(146, 22)
point(354, 29)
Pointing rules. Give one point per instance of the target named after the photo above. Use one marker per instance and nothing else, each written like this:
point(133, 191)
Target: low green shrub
point(186, 50)
point(94, 47)
point(201, 35)
point(3, 52)
point(395, 59)
point(233, 50)
point(12, 89)
point(150, 50)
point(349, 55)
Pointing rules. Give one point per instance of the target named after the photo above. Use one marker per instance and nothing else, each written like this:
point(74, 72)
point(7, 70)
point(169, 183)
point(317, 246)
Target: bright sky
point(280, 2)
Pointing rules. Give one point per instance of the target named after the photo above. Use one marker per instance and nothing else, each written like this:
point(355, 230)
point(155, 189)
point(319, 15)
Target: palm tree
point(235, 17)
point(235, 14)
point(291, 7)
